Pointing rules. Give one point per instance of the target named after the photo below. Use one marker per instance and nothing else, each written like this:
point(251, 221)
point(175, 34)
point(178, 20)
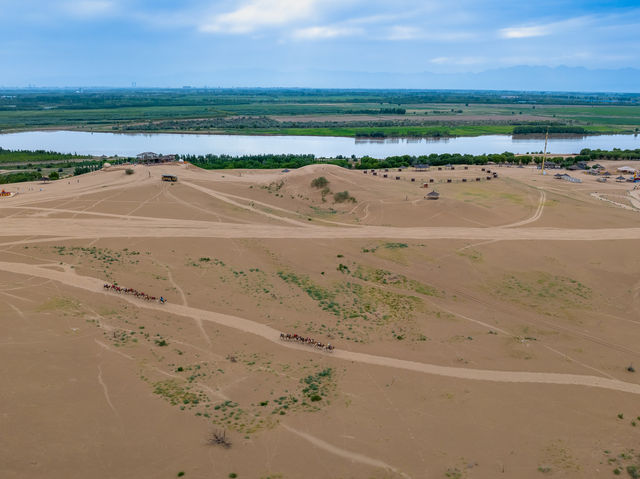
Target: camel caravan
point(138, 294)
point(305, 340)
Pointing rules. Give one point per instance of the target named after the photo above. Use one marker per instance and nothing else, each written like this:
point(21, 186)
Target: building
point(148, 157)
point(433, 195)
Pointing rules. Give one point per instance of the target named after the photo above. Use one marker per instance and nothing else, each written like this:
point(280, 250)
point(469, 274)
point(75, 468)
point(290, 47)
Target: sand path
point(338, 451)
point(536, 216)
point(70, 278)
point(176, 228)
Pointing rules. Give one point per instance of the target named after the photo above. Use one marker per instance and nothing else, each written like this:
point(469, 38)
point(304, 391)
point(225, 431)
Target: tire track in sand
point(536, 216)
point(338, 451)
point(70, 278)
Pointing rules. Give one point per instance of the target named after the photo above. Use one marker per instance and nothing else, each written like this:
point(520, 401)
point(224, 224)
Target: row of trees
point(19, 177)
point(221, 162)
point(615, 154)
point(552, 129)
point(21, 156)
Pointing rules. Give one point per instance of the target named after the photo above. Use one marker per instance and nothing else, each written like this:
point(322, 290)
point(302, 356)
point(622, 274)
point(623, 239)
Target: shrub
point(343, 196)
point(54, 175)
point(319, 182)
point(129, 171)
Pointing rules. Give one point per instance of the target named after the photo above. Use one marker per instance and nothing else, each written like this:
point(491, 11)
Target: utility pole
point(544, 155)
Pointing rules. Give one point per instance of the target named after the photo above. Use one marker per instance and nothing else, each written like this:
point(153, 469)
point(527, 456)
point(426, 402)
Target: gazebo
point(433, 195)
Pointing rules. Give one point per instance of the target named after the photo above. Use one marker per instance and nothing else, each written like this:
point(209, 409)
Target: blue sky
point(218, 42)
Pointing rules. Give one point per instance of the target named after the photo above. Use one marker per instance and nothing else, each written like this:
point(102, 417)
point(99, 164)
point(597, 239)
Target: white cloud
point(525, 32)
point(545, 29)
point(257, 14)
point(90, 8)
point(323, 32)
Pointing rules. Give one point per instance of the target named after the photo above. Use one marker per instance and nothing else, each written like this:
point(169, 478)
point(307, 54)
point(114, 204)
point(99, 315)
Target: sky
point(304, 42)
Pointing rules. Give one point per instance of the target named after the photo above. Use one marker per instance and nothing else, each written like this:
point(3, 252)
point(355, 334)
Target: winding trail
point(70, 278)
point(338, 451)
point(536, 216)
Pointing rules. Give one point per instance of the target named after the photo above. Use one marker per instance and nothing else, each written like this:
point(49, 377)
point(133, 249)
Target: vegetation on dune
point(319, 182)
point(35, 156)
point(359, 309)
point(342, 197)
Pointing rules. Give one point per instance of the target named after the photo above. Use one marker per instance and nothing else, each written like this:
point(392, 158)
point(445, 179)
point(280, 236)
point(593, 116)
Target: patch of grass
point(177, 394)
point(395, 245)
point(319, 182)
point(342, 197)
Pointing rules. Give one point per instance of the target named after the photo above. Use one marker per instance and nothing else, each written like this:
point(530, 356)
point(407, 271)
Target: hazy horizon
point(483, 45)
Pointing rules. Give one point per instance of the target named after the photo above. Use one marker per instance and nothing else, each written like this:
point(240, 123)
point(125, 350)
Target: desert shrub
point(343, 196)
point(129, 171)
point(54, 175)
point(319, 182)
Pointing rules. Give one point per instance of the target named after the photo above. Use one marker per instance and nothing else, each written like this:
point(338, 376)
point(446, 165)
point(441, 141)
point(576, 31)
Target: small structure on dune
point(620, 179)
point(569, 178)
point(626, 169)
point(170, 178)
point(148, 157)
point(432, 195)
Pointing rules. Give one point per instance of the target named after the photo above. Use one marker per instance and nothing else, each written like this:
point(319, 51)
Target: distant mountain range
point(530, 78)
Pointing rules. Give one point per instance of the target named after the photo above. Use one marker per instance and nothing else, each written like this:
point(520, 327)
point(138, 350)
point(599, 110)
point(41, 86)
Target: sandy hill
point(492, 332)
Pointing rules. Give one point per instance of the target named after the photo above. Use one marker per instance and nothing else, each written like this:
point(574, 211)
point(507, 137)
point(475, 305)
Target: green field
point(350, 113)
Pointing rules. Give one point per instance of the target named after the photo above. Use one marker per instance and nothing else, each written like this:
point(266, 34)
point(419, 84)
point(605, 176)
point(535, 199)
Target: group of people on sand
point(306, 340)
point(137, 294)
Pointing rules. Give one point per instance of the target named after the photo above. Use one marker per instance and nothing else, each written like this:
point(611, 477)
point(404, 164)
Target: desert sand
point(491, 333)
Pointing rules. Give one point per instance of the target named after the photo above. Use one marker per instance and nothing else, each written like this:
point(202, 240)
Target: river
point(322, 146)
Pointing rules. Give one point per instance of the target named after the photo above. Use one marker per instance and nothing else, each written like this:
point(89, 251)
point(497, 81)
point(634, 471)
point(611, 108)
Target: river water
point(131, 144)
